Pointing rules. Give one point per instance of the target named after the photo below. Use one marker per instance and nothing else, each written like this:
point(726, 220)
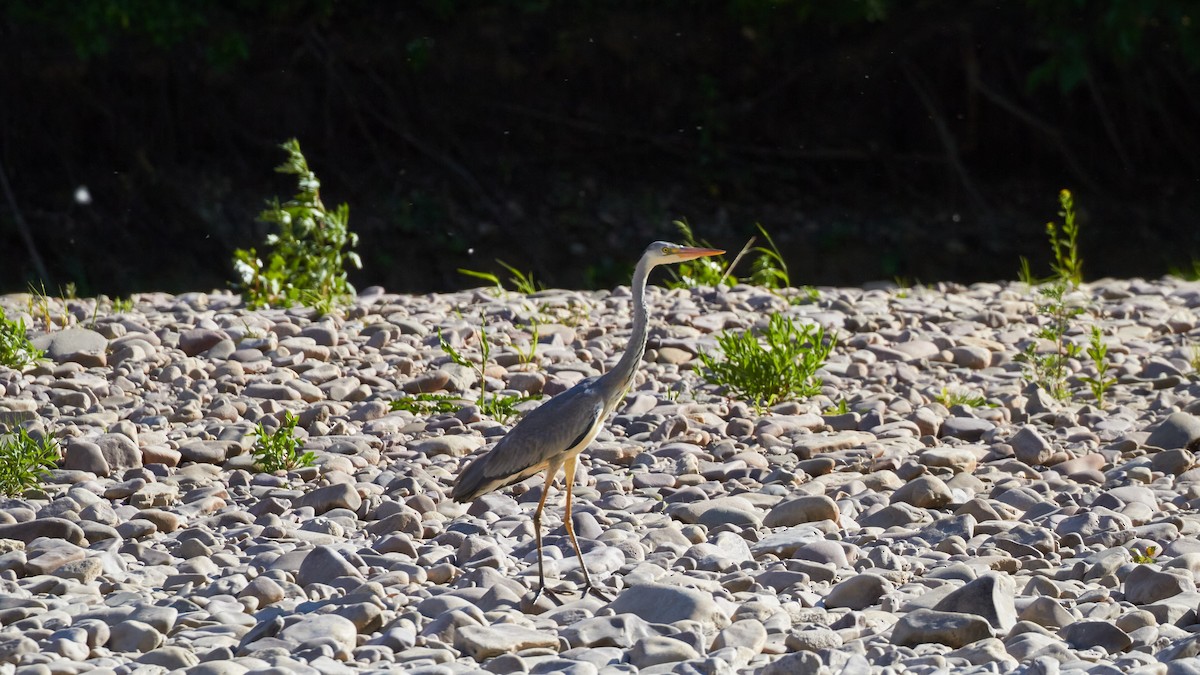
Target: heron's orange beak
point(691, 252)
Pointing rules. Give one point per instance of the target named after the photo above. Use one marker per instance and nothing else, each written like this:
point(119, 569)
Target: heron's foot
point(596, 592)
point(549, 593)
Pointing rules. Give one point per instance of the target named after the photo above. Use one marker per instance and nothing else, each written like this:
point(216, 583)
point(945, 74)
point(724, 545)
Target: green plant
point(529, 353)
point(1064, 242)
point(277, 450)
point(1049, 369)
point(1186, 274)
point(522, 282)
point(121, 305)
point(1194, 360)
point(1144, 557)
point(781, 366)
point(499, 407)
point(427, 403)
point(16, 351)
point(1025, 273)
point(25, 461)
point(38, 306)
point(708, 271)
point(952, 397)
point(840, 408)
point(768, 269)
point(307, 262)
point(1098, 351)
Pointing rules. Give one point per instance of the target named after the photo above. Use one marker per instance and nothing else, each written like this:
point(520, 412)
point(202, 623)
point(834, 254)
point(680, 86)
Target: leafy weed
point(781, 366)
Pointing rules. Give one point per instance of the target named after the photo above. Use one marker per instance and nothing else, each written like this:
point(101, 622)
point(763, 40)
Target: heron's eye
point(666, 250)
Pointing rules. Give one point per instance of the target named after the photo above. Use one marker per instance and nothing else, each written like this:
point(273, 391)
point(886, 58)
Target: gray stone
point(1030, 447)
point(1173, 462)
point(656, 650)
point(336, 496)
point(483, 642)
point(54, 528)
point(658, 603)
point(315, 629)
point(265, 590)
point(134, 636)
point(744, 634)
point(620, 630)
point(84, 571)
point(970, 356)
point(80, 455)
point(1144, 585)
point(985, 651)
point(969, 429)
point(1179, 430)
point(989, 596)
point(798, 663)
point(858, 592)
point(205, 452)
point(198, 340)
point(959, 460)
point(813, 640)
point(822, 551)
point(456, 445)
point(1028, 646)
point(801, 510)
point(1089, 634)
point(13, 647)
point(323, 564)
point(924, 492)
point(715, 512)
point(1046, 611)
point(170, 657)
point(79, 345)
point(953, 629)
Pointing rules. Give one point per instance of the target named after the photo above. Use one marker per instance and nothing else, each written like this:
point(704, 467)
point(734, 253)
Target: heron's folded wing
point(550, 430)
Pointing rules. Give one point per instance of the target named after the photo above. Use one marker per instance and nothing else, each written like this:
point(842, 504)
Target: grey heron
point(552, 435)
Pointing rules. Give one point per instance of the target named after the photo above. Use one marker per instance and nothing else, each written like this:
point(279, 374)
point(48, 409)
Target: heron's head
point(665, 253)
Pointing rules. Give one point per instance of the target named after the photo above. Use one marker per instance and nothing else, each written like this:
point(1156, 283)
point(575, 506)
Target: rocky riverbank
point(928, 512)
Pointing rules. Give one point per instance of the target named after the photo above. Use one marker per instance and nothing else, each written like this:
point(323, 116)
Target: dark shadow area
point(874, 140)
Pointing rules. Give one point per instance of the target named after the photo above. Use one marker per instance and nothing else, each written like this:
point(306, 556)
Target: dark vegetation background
point(874, 139)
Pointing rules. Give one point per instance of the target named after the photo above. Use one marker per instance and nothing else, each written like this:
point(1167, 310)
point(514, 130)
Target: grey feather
point(544, 434)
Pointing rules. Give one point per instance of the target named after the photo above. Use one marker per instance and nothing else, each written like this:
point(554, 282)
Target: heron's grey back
point(541, 437)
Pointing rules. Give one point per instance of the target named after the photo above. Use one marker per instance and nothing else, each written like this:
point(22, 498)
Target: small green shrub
point(498, 407)
point(1098, 351)
point(522, 282)
point(25, 461)
point(277, 450)
point(1192, 274)
point(769, 269)
point(307, 262)
point(16, 351)
point(952, 397)
point(1064, 242)
point(122, 305)
point(427, 403)
point(1049, 369)
point(782, 365)
point(1145, 557)
point(842, 407)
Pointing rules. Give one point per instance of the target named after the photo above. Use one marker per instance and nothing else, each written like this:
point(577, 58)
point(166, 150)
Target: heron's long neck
point(618, 380)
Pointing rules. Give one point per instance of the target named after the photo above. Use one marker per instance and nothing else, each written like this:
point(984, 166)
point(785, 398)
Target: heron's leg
point(569, 470)
point(537, 533)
